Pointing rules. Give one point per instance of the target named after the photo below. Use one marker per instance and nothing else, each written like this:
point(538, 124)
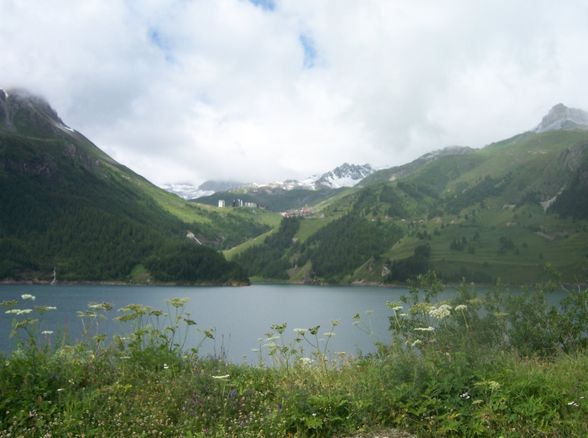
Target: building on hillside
point(221, 203)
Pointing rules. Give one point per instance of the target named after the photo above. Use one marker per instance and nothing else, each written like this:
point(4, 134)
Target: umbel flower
point(441, 311)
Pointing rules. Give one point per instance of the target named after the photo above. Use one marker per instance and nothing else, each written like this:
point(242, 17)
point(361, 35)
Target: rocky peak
point(346, 175)
point(562, 117)
point(29, 114)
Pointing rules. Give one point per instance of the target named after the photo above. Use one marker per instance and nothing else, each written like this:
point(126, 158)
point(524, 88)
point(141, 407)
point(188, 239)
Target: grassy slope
point(59, 189)
point(460, 201)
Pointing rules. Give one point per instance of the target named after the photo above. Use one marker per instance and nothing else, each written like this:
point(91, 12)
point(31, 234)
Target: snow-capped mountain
point(207, 188)
point(346, 175)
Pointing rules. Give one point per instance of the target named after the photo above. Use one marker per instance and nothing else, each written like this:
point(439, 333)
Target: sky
point(264, 90)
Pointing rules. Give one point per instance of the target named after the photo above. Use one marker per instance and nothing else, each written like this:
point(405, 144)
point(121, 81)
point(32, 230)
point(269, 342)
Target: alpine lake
point(240, 316)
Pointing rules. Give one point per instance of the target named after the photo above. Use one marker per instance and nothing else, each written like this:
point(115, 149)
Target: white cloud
point(192, 90)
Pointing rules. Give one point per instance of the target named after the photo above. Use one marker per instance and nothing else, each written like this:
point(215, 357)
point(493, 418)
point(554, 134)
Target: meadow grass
point(492, 365)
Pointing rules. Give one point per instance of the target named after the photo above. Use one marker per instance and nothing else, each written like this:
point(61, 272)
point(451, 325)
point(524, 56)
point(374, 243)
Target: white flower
point(47, 332)
point(329, 334)
point(305, 360)
point(465, 396)
point(441, 311)
point(394, 306)
point(28, 297)
point(165, 366)
point(573, 404)
point(223, 377)
point(300, 331)
point(461, 307)
point(424, 329)
point(18, 311)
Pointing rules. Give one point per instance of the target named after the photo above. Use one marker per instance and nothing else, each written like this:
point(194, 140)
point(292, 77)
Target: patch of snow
point(549, 202)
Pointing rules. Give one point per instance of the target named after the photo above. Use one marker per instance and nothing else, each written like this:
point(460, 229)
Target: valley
point(515, 210)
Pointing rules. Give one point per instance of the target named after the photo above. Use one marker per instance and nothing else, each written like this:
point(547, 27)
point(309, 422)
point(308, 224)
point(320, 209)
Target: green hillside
point(67, 205)
point(512, 210)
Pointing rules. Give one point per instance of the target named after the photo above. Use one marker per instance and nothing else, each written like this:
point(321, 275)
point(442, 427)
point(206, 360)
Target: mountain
point(346, 175)
point(562, 117)
point(396, 172)
point(508, 211)
point(207, 188)
point(67, 205)
point(294, 194)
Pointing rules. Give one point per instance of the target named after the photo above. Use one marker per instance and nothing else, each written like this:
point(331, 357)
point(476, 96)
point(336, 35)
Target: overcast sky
point(189, 90)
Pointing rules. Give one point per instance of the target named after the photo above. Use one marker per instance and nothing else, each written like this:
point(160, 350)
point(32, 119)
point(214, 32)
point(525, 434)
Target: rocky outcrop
point(562, 117)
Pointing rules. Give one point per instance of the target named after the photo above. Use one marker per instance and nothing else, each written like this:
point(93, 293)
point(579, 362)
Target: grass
point(468, 368)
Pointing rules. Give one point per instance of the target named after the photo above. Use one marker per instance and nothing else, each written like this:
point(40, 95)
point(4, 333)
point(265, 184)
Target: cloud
point(260, 90)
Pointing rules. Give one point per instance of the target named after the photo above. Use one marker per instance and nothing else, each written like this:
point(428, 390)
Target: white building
point(221, 203)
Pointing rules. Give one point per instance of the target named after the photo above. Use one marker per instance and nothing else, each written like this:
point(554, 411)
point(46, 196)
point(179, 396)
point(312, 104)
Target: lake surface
point(240, 315)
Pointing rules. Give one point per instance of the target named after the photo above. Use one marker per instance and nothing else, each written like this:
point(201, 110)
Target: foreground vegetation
point(496, 364)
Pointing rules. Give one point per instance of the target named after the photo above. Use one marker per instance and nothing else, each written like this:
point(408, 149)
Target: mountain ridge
point(67, 205)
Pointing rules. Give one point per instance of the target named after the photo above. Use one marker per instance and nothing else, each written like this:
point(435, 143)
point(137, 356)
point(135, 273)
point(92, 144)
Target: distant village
point(239, 203)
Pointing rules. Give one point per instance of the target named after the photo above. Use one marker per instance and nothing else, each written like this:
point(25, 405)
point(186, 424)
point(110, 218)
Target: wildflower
point(335, 322)
point(43, 309)
point(60, 389)
point(465, 396)
point(273, 338)
point(178, 302)
point(490, 384)
point(165, 366)
point(440, 312)
point(424, 329)
point(573, 404)
point(100, 306)
point(28, 297)
point(18, 311)
point(329, 334)
point(305, 360)
point(47, 332)
point(420, 308)
point(223, 377)
point(461, 307)
point(300, 331)
point(394, 306)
